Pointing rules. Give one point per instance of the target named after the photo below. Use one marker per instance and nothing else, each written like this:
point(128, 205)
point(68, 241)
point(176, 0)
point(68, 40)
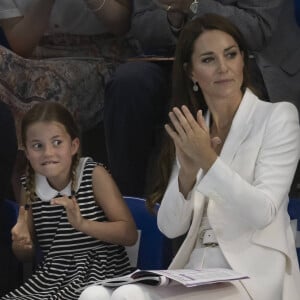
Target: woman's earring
point(195, 87)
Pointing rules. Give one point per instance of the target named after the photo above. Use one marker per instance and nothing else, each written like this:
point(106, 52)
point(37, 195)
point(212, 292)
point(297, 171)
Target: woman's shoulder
point(284, 110)
point(281, 109)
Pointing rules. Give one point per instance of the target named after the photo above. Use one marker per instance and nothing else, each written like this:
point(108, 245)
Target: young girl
point(70, 207)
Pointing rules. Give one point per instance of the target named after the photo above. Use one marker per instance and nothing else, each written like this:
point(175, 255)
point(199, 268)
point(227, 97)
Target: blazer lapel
point(183, 254)
point(240, 128)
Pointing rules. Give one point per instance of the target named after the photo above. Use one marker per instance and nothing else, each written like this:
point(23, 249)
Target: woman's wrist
point(186, 181)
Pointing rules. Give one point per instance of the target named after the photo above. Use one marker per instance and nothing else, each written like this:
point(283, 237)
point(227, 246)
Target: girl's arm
point(22, 234)
point(120, 228)
point(24, 33)
point(115, 14)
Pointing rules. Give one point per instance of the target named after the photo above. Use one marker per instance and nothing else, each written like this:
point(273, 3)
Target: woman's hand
point(194, 146)
point(191, 138)
point(72, 209)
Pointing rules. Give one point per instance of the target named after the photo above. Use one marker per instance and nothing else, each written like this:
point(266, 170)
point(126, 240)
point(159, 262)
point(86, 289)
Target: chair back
point(153, 250)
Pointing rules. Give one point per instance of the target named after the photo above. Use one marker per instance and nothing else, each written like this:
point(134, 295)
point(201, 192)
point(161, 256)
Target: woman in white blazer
point(229, 173)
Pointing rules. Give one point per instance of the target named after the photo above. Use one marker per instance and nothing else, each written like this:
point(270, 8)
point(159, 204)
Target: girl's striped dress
point(72, 259)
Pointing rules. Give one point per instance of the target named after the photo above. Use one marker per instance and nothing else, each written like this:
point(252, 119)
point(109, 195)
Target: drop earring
point(195, 87)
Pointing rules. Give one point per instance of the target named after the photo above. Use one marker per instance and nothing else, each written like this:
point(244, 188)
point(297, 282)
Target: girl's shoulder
point(87, 166)
point(88, 163)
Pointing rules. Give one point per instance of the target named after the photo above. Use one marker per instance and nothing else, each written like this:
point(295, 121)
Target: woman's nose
point(222, 65)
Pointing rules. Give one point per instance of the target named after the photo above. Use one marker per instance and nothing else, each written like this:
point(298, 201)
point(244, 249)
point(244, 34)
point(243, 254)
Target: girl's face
point(49, 149)
point(217, 64)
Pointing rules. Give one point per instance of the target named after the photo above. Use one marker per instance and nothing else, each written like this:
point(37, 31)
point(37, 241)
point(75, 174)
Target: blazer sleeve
point(256, 19)
point(175, 213)
point(259, 201)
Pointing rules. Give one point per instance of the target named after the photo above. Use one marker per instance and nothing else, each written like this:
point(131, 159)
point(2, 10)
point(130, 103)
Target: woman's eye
point(231, 54)
point(207, 59)
point(57, 142)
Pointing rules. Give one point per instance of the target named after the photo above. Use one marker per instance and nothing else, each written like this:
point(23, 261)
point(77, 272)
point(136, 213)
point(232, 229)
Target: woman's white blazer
point(247, 189)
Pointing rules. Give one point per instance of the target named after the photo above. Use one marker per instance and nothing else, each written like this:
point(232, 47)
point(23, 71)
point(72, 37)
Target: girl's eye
point(37, 146)
point(57, 142)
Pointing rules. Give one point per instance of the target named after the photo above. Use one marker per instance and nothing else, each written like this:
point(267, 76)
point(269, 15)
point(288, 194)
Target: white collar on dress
point(45, 192)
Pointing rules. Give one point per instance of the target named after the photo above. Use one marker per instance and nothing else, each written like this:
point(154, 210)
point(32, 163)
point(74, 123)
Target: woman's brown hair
point(182, 89)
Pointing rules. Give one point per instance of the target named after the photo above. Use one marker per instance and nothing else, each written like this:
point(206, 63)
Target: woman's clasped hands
point(193, 143)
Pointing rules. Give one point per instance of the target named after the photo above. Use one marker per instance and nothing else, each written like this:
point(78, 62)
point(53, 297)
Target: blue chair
point(297, 11)
point(154, 249)
point(294, 212)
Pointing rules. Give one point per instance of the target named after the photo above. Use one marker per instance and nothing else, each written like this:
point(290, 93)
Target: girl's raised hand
point(21, 236)
point(72, 209)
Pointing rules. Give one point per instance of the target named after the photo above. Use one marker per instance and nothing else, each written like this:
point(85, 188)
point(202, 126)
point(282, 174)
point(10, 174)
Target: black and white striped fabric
point(72, 259)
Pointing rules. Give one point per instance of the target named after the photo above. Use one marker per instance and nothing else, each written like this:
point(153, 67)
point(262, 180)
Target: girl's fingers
point(22, 214)
point(22, 210)
point(21, 239)
point(64, 201)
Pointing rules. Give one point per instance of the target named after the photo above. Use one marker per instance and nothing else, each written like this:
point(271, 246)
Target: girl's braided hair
point(48, 112)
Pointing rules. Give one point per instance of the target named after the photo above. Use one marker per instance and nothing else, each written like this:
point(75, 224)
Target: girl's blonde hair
point(48, 112)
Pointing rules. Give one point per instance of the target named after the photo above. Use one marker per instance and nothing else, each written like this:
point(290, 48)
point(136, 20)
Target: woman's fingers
point(185, 119)
point(215, 141)
point(192, 123)
point(201, 121)
point(172, 133)
point(173, 115)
